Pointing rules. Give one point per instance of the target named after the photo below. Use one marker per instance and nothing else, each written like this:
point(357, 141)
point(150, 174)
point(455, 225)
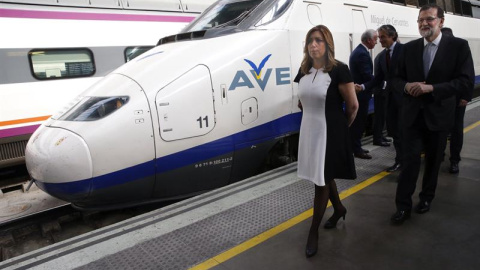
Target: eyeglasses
point(428, 19)
point(317, 40)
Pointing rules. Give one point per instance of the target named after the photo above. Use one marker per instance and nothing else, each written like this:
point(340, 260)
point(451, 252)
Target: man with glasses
point(430, 71)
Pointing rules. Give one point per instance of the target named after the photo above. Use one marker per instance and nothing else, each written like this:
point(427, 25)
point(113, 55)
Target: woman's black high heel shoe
point(311, 249)
point(310, 252)
point(332, 221)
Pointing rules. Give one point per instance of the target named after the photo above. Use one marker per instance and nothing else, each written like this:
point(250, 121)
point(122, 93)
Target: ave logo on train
point(241, 79)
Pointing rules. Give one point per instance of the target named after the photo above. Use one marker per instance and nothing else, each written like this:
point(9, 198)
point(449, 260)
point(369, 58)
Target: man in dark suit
point(456, 133)
point(430, 72)
point(385, 68)
point(361, 68)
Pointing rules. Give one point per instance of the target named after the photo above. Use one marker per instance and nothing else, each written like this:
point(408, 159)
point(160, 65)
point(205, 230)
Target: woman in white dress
point(325, 150)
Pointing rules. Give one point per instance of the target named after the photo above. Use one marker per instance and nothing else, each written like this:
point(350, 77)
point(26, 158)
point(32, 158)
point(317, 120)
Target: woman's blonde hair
point(330, 61)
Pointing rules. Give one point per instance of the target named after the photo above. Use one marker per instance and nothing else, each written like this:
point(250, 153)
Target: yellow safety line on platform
point(220, 258)
point(472, 126)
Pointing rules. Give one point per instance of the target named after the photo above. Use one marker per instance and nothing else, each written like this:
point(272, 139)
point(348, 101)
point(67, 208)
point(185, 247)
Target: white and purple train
point(206, 107)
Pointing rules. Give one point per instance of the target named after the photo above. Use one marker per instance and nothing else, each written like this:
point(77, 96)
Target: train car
point(52, 50)
point(208, 106)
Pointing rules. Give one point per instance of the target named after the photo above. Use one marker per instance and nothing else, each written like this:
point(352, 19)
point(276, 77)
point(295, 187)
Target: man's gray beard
point(427, 33)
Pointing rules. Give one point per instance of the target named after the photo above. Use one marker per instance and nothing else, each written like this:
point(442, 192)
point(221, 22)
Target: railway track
point(25, 226)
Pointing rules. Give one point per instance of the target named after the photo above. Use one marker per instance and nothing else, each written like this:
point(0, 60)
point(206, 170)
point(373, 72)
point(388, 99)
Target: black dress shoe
point(365, 151)
point(362, 155)
point(422, 207)
point(453, 167)
point(395, 167)
point(384, 144)
point(399, 217)
point(385, 139)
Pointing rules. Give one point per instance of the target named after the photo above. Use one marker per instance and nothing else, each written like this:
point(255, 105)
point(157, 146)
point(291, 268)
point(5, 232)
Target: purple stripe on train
point(4, 133)
point(35, 14)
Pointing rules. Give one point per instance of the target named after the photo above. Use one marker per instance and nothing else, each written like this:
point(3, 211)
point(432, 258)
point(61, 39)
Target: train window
point(440, 3)
point(475, 9)
point(132, 52)
point(223, 14)
point(462, 7)
point(61, 63)
point(466, 8)
point(422, 3)
point(94, 108)
point(275, 12)
point(403, 2)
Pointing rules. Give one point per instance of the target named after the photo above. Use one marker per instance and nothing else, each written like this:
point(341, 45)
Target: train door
point(186, 116)
point(359, 26)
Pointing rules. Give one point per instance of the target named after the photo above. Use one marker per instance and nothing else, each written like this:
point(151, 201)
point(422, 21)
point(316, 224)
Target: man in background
point(385, 69)
point(361, 68)
point(456, 134)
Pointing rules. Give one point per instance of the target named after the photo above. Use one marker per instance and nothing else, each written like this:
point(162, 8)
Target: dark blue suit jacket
point(361, 68)
point(382, 73)
point(451, 71)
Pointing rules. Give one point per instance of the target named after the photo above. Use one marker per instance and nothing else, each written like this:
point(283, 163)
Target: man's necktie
point(427, 58)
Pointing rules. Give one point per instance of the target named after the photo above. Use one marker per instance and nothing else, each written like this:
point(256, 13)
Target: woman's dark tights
point(335, 198)
point(322, 194)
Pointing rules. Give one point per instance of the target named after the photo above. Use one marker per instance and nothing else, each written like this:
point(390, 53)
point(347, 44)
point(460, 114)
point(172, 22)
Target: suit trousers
point(419, 138)
point(394, 122)
point(358, 126)
point(380, 103)
point(456, 138)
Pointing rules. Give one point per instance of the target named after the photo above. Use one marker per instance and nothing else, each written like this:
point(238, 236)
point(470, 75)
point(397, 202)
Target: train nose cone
point(60, 162)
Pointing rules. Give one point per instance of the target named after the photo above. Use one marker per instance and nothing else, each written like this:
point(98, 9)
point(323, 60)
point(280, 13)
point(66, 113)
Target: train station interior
point(262, 223)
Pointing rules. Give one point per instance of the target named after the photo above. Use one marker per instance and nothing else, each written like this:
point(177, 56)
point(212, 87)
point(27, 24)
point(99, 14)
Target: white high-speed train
point(206, 107)
point(52, 50)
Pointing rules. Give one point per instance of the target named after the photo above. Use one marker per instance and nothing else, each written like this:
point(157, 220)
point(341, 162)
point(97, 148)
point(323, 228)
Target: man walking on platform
point(385, 68)
point(431, 70)
point(361, 68)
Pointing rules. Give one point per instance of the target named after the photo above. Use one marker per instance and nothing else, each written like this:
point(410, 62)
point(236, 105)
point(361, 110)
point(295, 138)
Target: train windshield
point(232, 13)
point(224, 13)
point(272, 12)
point(94, 108)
